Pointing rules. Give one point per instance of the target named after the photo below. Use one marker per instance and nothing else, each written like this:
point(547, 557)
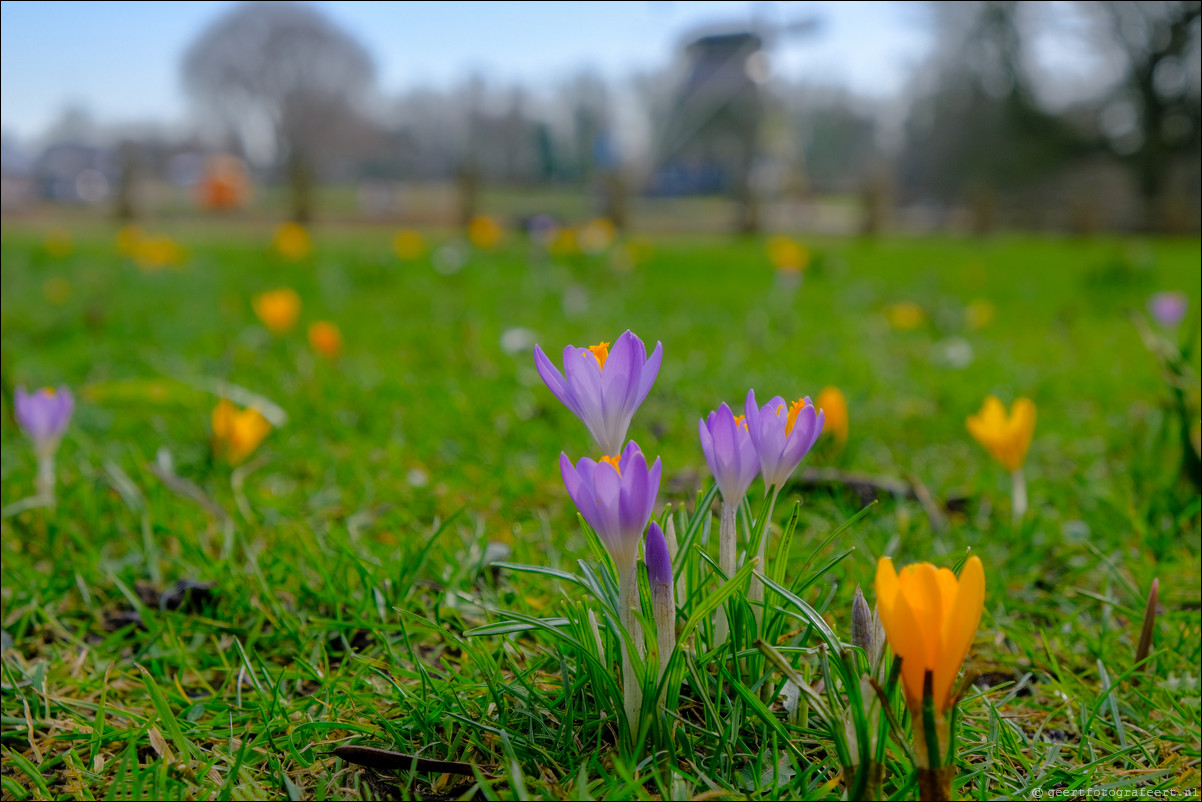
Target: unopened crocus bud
point(663, 605)
point(861, 621)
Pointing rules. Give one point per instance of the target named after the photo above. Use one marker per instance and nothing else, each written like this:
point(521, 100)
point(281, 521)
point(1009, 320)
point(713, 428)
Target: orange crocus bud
point(325, 338)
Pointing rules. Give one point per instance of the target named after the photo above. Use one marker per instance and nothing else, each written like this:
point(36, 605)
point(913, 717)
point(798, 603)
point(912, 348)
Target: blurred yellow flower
point(128, 238)
point(57, 290)
point(834, 408)
point(596, 235)
point(58, 243)
point(930, 619)
point(292, 241)
point(278, 309)
point(153, 253)
point(905, 316)
point(408, 245)
point(786, 254)
point(237, 432)
point(485, 232)
point(1006, 437)
point(979, 314)
point(564, 242)
point(325, 338)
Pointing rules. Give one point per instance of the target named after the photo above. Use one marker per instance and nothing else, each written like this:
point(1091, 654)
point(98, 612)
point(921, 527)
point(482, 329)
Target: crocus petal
point(920, 589)
point(653, 477)
point(707, 444)
point(649, 372)
point(620, 376)
point(580, 488)
point(887, 587)
point(554, 380)
point(634, 496)
point(607, 499)
point(960, 627)
point(909, 643)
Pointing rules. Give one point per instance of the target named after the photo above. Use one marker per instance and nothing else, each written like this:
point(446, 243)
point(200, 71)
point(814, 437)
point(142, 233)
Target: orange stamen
point(614, 462)
point(740, 422)
point(50, 391)
point(601, 352)
point(794, 410)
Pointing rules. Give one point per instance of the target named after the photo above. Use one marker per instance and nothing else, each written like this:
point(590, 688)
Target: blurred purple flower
point(603, 387)
point(1168, 308)
point(783, 434)
point(44, 416)
point(731, 455)
point(615, 496)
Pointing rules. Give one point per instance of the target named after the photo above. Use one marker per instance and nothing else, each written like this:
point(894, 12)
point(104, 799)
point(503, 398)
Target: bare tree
point(1154, 111)
point(286, 82)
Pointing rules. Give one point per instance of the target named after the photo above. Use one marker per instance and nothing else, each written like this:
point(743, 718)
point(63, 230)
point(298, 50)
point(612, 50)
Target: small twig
point(910, 487)
point(387, 760)
point(187, 489)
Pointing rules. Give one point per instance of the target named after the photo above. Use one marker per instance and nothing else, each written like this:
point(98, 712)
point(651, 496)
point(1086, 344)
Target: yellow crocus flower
point(1006, 437)
point(278, 309)
point(237, 432)
point(834, 406)
point(930, 618)
point(485, 232)
point(788, 255)
point(408, 245)
point(905, 316)
point(292, 241)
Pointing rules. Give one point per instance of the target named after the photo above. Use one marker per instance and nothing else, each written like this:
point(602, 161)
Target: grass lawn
point(339, 568)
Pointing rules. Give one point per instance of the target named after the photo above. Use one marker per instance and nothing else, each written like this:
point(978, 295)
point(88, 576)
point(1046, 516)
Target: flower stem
point(728, 547)
point(756, 594)
point(44, 484)
point(1019, 495)
point(632, 687)
point(664, 607)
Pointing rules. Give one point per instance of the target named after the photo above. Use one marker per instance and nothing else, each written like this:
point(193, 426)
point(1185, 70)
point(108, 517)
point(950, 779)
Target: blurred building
point(708, 140)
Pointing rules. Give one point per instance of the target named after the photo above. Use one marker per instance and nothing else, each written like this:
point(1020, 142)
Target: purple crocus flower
point(44, 416)
point(603, 387)
point(783, 434)
point(1168, 308)
point(730, 453)
point(615, 496)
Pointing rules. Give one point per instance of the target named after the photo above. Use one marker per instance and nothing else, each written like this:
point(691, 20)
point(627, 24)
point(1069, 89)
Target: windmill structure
point(710, 141)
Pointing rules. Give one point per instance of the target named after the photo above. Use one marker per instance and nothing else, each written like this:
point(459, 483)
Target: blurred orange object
point(833, 404)
point(325, 338)
point(225, 185)
point(278, 309)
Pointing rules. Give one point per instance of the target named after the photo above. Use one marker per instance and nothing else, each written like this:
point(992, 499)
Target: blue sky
point(120, 60)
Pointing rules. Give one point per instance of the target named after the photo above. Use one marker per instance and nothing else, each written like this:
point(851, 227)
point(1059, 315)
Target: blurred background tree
point(1151, 117)
point(287, 86)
